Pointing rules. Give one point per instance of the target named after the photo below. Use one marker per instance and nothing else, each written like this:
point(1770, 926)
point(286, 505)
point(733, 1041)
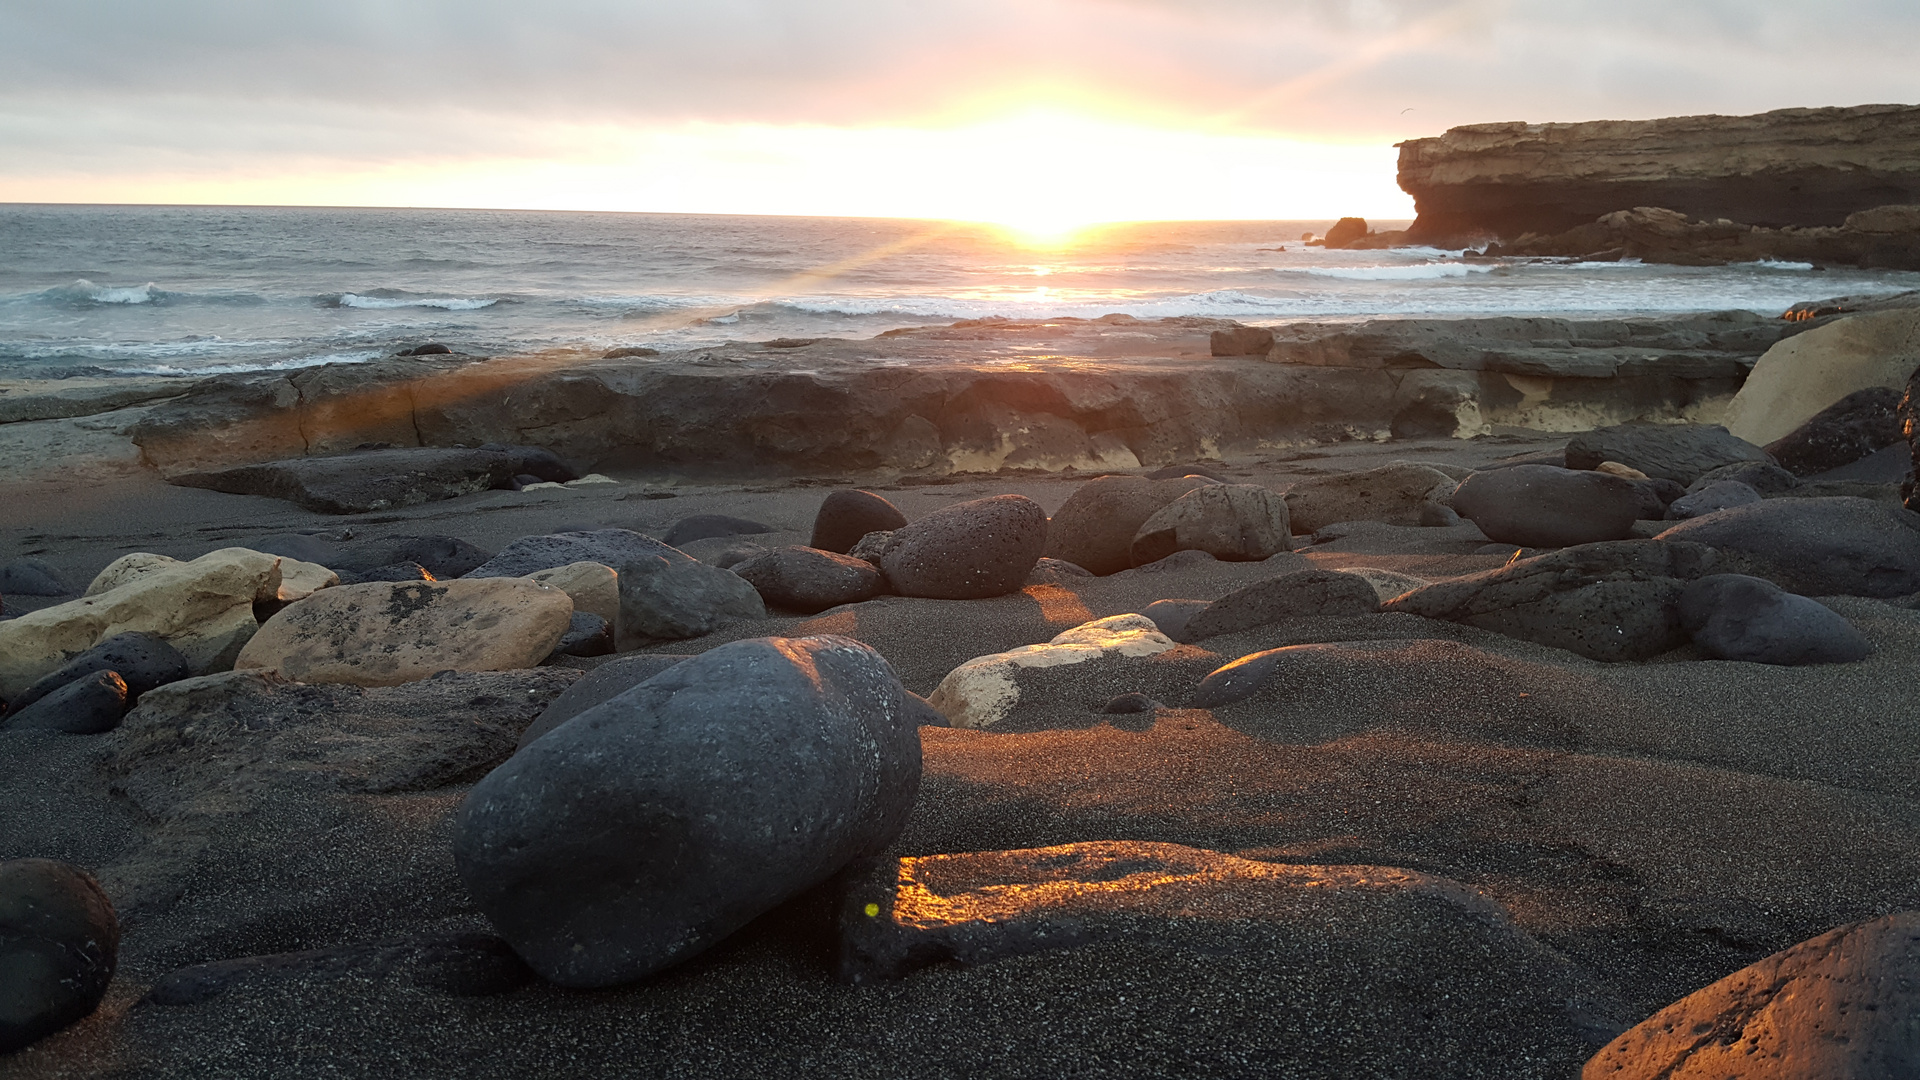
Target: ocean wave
point(84, 293)
point(291, 364)
point(1779, 264)
point(389, 300)
point(1414, 272)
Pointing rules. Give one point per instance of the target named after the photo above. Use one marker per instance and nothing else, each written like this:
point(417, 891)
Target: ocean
point(195, 290)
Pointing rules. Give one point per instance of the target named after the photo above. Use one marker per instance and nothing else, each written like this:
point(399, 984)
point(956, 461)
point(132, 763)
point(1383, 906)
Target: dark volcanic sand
point(1649, 828)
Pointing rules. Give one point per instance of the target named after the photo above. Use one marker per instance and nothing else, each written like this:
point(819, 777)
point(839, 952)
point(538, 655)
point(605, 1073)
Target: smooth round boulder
point(1231, 522)
point(608, 681)
point(846, 516)
point(810, 580)
point(385, 634)
point(1713, 497)
point(1095, 527)
point(1736, 617)
point(33, 577)
point(59, 941)
point(969, 551)
point(88, 705)
point(143, 661)
point(1815, 547)
point(645, 829)
point(1544, 506)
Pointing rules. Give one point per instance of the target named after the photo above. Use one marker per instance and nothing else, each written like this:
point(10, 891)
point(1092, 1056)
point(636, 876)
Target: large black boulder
point(1545, 506)
point(59, 941)
point(89, 705)
point(383, 479)
point(1842, 433)
point(1679, 452)
point(809, 580)
point(143, 662)
point(846, 516)
point(1815, 547)
point(1612, 601)
point(617, 548)
point(608, 681)
point(969, 551)
point(647, 828)
point(1736, 617)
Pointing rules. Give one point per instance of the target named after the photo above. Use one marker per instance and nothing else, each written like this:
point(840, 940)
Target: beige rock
point(384, 633)
point(1806, 373)
point(982, 691)
point(1391, 493)
point(1241, 522)
point(1836, 1007)
point(298, 580)
point(1625, 472)
point(204, 608)
point(594, 588)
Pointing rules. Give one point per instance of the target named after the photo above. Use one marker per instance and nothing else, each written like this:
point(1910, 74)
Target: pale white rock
point(126, 568)
point(983, 691)
point(594, 587)
point(589, 480)
point(298, 580)
point(1804, 374)
point(1625, 472)
point(204, 608)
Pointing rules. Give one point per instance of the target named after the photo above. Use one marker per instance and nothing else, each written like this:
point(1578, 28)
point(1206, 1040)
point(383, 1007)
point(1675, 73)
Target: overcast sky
point(674, 105)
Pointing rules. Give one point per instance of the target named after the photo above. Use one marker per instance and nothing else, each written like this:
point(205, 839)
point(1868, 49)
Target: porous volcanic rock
point(1677, 452)
point(968, 551)
point(1545, 506)
point(1841, 1006)
point(653, 825)
point(1842, 433)
point(1289, 596)
point(1736, 617)
point(1804, 374)
point(846, 516)
point(59, 942)
point(386, 633)
point(985, 691)
point(809, 580)
point(1233, 522)
point(202, 608)
point(1815, 547)
point(1802, 167)
point(1095, 527)
point(1608, 601)
point(369, 480)
point(1391, 493)
point(681, 598)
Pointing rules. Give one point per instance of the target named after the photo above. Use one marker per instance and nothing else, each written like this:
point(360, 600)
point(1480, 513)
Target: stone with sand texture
point(87, 705)
point(1677, 452)
point(1299, 594)
point(1720, 496)
point(681, 598)
point(984, 691)
point(384, 634)
point(142, 661)
point(613, 548)
point(968, 551)
point(1391, 493)
point(1815, 547)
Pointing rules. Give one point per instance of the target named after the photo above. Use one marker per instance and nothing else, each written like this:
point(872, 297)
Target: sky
point(1038, 113)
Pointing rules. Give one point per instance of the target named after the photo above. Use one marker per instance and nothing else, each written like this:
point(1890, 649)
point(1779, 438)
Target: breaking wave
point(1416, 272)
point(388, 300)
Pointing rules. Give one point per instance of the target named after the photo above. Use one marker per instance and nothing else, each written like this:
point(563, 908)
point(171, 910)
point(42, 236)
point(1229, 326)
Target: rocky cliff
point(1789, 168)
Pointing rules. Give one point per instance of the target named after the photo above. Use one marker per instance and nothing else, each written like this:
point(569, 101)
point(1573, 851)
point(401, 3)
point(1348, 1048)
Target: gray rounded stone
point(609, 547)
point(1736, 617)
point(1679, 452)
point(846, 516)
point(708, 526)
point(810, 580)
point(59, 942)
point(603, 683)
point(1171, 616)
point(1544, 506)
point(33, 577)
point(1815, 547)
point(1094, 528)
point(1289, 596)
point(971, 551)
point(672, 599)
point(1718, 496)
point(645, 829)
point(88, 705)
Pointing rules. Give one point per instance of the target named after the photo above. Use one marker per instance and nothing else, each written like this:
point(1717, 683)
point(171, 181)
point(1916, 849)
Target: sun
point(1045, 232)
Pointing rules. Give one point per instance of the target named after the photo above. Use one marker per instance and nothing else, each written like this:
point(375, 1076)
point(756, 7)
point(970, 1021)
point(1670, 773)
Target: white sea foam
point(86, 292)
point(1779, 264)
point(1415, 272)
point(388, 303)
point(357, 357)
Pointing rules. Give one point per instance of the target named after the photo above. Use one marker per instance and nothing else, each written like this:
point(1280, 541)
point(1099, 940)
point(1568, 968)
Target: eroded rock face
point(59, 941)
point(645, 829)
point(1235, 522)
point(1094, 528)
point(1391, 493)
point(1807, 373)
point(1840, 1006)
point(1789, 167)
point(387, 633)
point(203, 609)
point(1815, 547)
point(1544, 506)
point(1610, 601)
point(382, 479)
point(969, 551)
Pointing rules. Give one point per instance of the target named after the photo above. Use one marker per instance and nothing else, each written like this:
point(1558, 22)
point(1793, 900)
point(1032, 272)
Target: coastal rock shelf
point(1791, 167)
point(974, 397)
